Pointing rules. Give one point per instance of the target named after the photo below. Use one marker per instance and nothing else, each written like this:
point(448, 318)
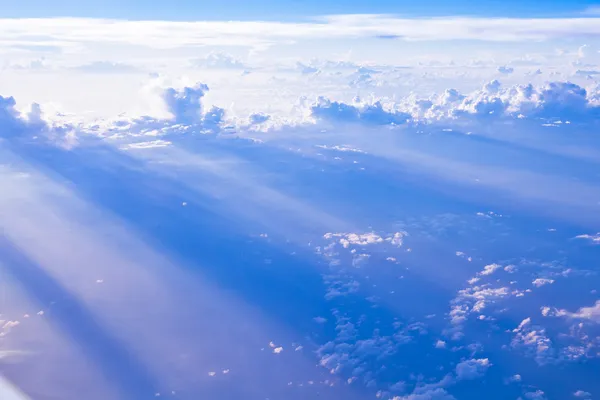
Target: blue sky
point(294, 200)
point(286, 9)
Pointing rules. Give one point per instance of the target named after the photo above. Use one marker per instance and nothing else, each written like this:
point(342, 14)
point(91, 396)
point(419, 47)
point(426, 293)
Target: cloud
point(107, 67)
point(14, 123)
point(258, 118)
point(367, 114)
point(564, 101)
point(506, 70)
point(346, 239)
point(537, 395)
point(555, 100)
point(218, 60)
point(473, 300)
point(591, 313)
point(306, 69)
point(587, 72)
point(186, 106)
point(434, 394)
point(595, 239)
point(580, 393)
point(472, 369)
point(534, 341)
point(185, 111)
point(465, 370)
point(173, 34)
point(33, 65)
point(490, 269)
point(539, 282)
point(364, 239)
point(587, 55)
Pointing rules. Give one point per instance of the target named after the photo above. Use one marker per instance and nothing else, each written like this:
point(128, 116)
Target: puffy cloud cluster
point(15, 123)
point(472, 369)
point(557, 100)
point(506, 70)
point(534, 341)
point(562, 100)
point(465, 370)
point(187, 116)
point(591, 313)
point(363, 239)
point(218, 60)
point(363, 113)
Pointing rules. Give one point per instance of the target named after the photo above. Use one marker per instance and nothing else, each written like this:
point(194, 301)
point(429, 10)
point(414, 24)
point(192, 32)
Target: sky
point(288, 9)
point(295, 200)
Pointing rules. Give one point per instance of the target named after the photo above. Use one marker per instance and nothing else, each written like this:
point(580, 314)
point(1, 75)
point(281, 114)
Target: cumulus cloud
point(591, 313)
point(218, 60)
point(185, 114)
point(582, 394)
point(539, 282)
point(587, 55)
point(534, 341)
point(364, 239)
point(15, 123)
point(537, 395)
point(490, 269)
point(306, 69)
point(346, 239)
point(368, 114)
point(472, 369)
point(563, 100)
point(434, 394)
point(506, 70)
point(473, 300)
point(186, 104)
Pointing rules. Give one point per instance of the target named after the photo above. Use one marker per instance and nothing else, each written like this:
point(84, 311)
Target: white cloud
point(595, 239)
point(472, 369)
point(537, 395)
point(218, 60)
point(370, 114)
point(539, 282)
point(346, 239)
point(591, 313)
point(167, 34)
point(434, 394)
point(510, 268)
point(490, 269)
point(474, 299)
point(365, 239)
point(582, 394)
point(107, 67)
point(534, 341)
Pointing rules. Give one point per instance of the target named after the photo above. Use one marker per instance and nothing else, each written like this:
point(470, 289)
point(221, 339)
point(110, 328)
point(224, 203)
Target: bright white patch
point(542, 281)
point(472, 369)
